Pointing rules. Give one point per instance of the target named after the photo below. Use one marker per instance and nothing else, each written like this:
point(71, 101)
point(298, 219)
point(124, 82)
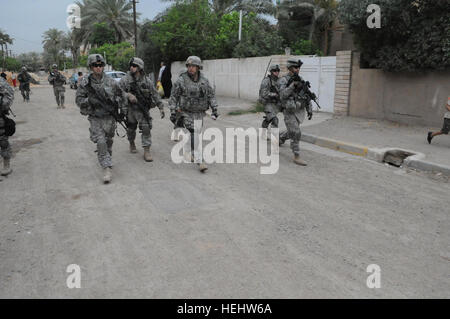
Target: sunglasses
point(134, 65)
point(98, 65)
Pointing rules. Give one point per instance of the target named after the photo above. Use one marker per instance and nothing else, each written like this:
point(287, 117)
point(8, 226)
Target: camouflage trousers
point(102, 133)
point(134, 118)
point(271, 110)
point(59, 94)
point(293, 131)
point(5, 147)
point(25, 91)
point(193, 122)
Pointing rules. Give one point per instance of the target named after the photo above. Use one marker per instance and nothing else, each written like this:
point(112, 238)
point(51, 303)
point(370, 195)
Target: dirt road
point(162, 230)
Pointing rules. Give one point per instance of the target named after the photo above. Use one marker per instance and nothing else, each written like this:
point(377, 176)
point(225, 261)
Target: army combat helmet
point(137, 61)
point(54, 66)
point(274, 68)
point(293, 62)
point(95, 58)
point(194, 60)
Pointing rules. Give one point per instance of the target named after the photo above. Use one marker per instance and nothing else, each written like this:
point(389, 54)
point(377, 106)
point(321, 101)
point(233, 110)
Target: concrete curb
point(336, 145)
point(415, 161)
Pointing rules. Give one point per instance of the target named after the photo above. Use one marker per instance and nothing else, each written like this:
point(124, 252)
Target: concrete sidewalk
point(364, 137)
point(379, 135)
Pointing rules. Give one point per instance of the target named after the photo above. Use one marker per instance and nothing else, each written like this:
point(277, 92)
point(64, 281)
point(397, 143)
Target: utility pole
point(135, 26)
point(240, 24)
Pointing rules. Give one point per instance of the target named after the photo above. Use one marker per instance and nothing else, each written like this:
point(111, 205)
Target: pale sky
point(27, 20)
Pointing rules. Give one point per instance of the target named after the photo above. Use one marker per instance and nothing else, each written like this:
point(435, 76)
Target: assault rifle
point(137, 92)
point(305, 86)
point(105, 102)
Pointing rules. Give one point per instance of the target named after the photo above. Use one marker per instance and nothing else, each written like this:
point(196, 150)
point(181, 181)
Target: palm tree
point(117, 14)
point(73, 42)
point(54, 42)
point(5, 39)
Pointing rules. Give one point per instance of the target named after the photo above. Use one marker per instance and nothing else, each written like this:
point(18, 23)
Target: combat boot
point(107, 175)
point(202, 167)
point(6, 167)
point(133, 147)
point(147, 156)
point(299, 161)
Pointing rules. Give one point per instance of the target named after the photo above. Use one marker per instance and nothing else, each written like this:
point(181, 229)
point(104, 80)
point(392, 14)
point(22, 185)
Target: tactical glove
point(310, 114)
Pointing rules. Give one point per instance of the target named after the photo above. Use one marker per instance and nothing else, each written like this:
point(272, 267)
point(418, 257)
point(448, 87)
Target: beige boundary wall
point(238, 78)
point(241, 78)
point(409, 98)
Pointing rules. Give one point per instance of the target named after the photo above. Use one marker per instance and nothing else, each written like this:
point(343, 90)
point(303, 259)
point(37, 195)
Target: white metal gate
point(321, 73)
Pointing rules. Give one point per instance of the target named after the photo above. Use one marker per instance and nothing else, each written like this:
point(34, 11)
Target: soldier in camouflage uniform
point(141, 95)
point(191, 96)
point(295, 106)
point(269, 96)
point(99, 97)
point(58, 80)
point(6, 99)
point(24, 86)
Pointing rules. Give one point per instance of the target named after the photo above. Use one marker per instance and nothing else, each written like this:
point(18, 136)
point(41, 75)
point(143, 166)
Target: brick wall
point(343, 82)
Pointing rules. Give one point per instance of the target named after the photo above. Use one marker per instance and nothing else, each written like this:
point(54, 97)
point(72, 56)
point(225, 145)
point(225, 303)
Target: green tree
point(414, 35)
point(305, 47)
point(306, 20)
point(54, 42)
point(101, 34)
point(221, 7)
point(186, 29)
point(116, 14)
point(5, 39)
point(12, 64)
point(118, 55)
point(258, 37)
point(32, 60)
point(73, 42)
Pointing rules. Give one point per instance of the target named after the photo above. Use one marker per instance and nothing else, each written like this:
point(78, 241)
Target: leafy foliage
point(195, 28)
point(305, 47)
point(308, 20)
point(101, 34)
point(414, 35)
point(54, 42)
point(118, 55)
